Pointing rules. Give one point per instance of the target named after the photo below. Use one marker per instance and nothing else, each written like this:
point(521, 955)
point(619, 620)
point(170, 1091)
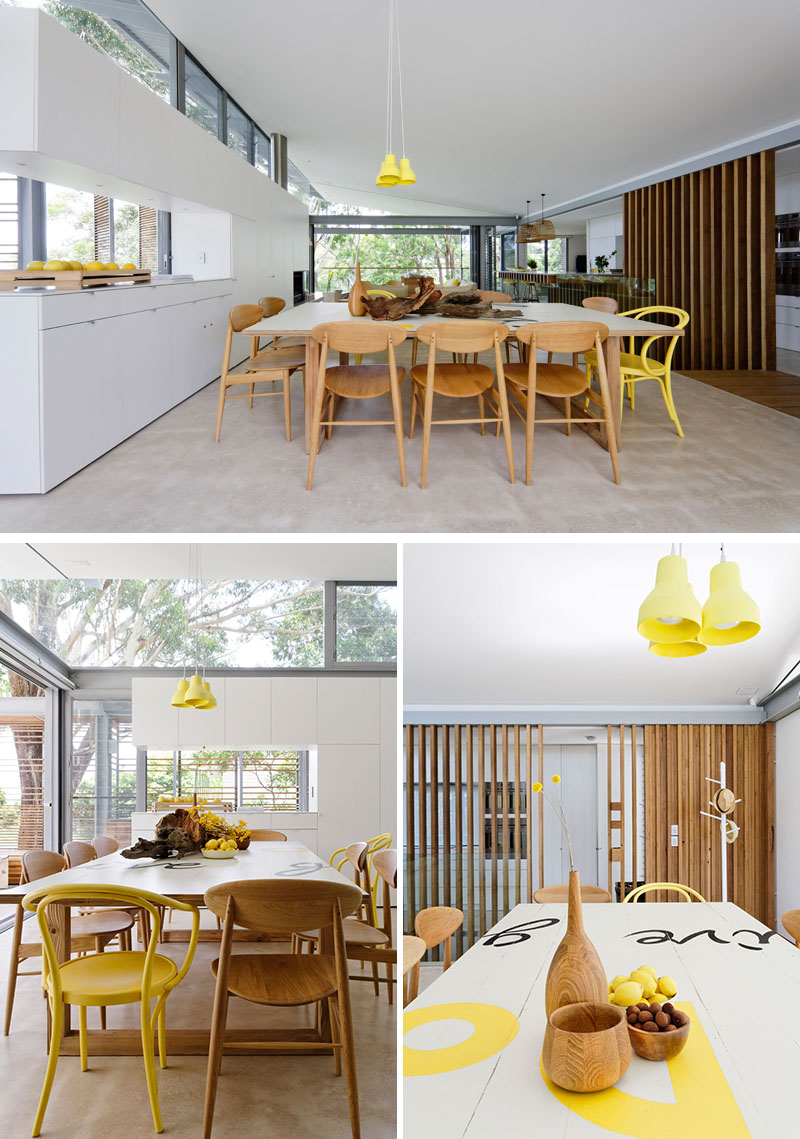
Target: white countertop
point(156, 282)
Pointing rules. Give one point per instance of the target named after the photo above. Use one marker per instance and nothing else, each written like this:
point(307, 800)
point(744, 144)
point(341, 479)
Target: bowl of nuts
point(656, 1031)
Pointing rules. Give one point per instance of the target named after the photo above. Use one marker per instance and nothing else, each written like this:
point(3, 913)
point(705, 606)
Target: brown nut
point(679, 1019)
point(668, 1007)
point(644, 1016)
point(650, 1026)
point(655, 1008)
point(633, 1018)
point(643, 1006)
point(669, 1028)
point(662, 1020)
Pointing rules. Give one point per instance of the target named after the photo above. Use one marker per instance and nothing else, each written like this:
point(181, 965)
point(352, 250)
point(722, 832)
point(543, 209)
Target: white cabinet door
point(248, 712)
point(82, 380)
point(348, 710)
point(294, 711)
point(388, 762)
point(146, 364)
point(198, 729)
point(155, 721)
point(348, 803)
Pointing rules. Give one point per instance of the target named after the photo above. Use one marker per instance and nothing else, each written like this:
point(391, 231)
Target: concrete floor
point(292, 1097)
point(736, 470)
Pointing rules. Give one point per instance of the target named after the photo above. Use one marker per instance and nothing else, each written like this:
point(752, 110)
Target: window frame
point(329, 634)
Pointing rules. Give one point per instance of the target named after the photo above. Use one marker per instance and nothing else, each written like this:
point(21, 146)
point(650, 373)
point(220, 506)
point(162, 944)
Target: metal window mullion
point(177, 75)
point(251, 142)
point(175, 774)
point(222, 123)
point(329, 624)
point(141, 779)
point(302, 780)
point(239, 776)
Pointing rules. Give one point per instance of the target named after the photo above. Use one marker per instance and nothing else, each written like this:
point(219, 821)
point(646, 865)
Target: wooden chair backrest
point(40, 864)
point(267, 836)
point(271, 305)
point(283, 908)
point(493, 297)
point(77, 853)
point(356, 855)
point(791, 923)
point(357, 336)
point(561, 894)
point(104, 844)
point(385, 863)
point(600, 304)
point(563, 335)
point(414, 949)
point(242, 316)
point(437, 923)
point(462, 335)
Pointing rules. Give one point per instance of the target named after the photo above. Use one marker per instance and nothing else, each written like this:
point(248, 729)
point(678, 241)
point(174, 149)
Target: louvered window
point(102, 777)
point(21, 814)
point(148, 239)
point(268, 779)
point(103, 229)
point(9, 222)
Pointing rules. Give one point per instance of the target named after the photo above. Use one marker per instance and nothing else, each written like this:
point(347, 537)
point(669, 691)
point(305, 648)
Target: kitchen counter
point(82, 370)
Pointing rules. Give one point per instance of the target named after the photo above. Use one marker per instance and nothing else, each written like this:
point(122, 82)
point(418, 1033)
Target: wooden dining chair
point(272, 306)
point(385, 863)
point(380, 842)
point(268, 836)
point(104, 844)
point(561, 894)
point(437, 924)
point(356, 381)
point(414, 949)
point(283, 909)
point(78, 853)
point(686, 892)
point(90, 934)
point(273, 366)
point(560, 382)
point(135, 977)
point(600, 304)
point(791, 923)
point(460, 380)
point(362, 929)
point(495, 298)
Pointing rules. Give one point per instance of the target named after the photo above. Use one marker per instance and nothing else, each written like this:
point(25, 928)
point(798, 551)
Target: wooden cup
point(586, 1047)
point(659, 1045)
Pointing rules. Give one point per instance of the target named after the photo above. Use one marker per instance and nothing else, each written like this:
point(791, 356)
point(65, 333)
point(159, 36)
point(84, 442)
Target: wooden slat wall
point(467, 798)
point(678, 760)
point(708, 240)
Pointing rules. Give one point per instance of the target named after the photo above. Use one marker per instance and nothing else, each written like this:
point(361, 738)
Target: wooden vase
point(355, 301)
point(576, 972)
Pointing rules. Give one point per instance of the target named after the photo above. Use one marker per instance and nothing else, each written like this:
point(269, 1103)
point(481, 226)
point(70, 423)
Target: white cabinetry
point(348, 708)
point(197, 728)
point(248, 711)
point(294, 711)
point(145, 360)
point(787, 316)
point(155, 721)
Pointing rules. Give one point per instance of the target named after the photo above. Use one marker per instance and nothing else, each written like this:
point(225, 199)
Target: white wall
point(576, 245)
point(79, 120)
point(602, 236)
point(787, 194)
point(351, 721)
point(787, 806)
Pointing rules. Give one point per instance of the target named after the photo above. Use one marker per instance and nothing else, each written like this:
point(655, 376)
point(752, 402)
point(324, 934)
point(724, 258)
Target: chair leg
point(426, 442)
point(218, 1021)
point(503, 393)
point(312, 454)
point(375, 979)
point(98, 946)
point(670, 402)
point(148, 1054)
point(336, 1035)
point(52, 1061)
point(482, 413)
point(287, 406)
point(252, 390)
point(12, 968)
point(529, 427)
point(349, 1055)
point(83, 1041)
point(413, 408)
point(162, 1035)
point(220, 409)
point(397, 415)
point(568, 415)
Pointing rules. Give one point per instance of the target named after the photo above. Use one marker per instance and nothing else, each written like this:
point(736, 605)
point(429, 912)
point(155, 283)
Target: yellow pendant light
point(690, 648)
point(670, 614)
point(179, 695)
point(210, 701)
point(730, 615)
point(196, 693)
point(392, 174)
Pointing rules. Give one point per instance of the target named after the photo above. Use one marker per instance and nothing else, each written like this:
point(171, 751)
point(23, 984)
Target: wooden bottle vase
point(576, 972)
point(355, 301)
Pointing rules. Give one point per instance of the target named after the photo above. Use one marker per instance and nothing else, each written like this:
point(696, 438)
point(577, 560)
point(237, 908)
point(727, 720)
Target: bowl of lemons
point(220, 848)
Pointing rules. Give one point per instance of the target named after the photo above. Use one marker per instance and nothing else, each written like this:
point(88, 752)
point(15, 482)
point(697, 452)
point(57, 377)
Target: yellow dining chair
point(378, 843)
point(686, 891)
point(131, 977)
point(638, 365)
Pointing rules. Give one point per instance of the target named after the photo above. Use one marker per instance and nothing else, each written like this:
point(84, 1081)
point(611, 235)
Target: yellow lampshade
point(670, 614)
point(691, 648)
point(179, 695)
point(730, 615)
point(210, 702)
point(407, 175)
point(389, 174)
point(196, 693)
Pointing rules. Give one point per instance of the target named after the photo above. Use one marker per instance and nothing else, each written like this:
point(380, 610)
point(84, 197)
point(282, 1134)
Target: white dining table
point(473, 1039)
point(185, 879)
point(301, 319)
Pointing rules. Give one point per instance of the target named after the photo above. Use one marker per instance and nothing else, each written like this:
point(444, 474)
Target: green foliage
point(76, 210)
point(366, 625)
point(126, 233)
point(388, 257)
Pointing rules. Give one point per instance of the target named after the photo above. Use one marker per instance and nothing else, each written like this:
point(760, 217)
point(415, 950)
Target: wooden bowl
point(586, 1046)
point(659, 1045)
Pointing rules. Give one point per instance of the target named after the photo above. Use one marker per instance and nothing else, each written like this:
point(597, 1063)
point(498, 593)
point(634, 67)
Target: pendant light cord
point(400, 78)
point(389, 81)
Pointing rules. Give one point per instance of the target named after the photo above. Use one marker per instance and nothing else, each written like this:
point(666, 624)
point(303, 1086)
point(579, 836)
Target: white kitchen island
point(81, 371)
point(299, 826)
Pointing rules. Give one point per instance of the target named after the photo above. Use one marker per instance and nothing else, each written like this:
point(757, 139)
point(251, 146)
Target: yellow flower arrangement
point(216, 827)
point(559, 811)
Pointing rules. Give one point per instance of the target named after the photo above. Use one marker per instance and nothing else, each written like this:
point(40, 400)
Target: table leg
point(611, 353)
point(311, 386)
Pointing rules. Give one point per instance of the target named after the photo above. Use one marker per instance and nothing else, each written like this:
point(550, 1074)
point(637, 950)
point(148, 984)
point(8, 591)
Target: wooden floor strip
point(777, 390)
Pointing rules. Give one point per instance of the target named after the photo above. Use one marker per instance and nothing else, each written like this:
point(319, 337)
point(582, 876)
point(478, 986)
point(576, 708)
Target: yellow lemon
point(629, 993)
point(648, 969)
point(212, 844)
point(76, 264)
point(35, 265)
point(661, 998)
point(111, 265)
point(94, 265)
point(645, 980)
point(232, 844)
point(130, 265)
point(667, 985)
point(57, 266)
point(620, 979)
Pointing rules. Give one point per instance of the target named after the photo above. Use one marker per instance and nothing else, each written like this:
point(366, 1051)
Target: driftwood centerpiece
point(466, 306)
point(395, 308)
point(185, 832)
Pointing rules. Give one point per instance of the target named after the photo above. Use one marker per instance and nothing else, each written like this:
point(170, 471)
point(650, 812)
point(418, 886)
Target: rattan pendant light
point(542, 230)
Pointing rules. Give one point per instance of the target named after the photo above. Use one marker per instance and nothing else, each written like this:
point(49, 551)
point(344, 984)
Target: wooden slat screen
point(468, 843)
point(148, 238)
point(102, 228)
point(708, 240)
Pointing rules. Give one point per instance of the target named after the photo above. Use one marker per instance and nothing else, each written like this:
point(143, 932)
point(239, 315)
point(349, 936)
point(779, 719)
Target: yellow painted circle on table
point(495, 1027)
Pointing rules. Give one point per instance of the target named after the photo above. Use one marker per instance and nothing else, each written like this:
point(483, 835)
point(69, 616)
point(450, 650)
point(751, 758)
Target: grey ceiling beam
point(585, 715)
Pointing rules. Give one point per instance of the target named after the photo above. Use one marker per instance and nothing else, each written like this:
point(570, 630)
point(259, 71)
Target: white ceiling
point(505, 100)
point(222, 561)
point(554, 623)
